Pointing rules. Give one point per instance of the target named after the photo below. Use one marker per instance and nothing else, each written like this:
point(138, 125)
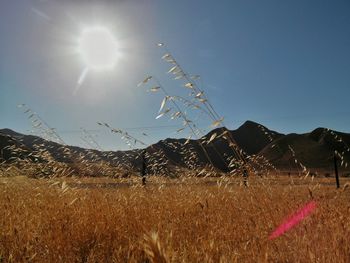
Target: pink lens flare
point(293, 219)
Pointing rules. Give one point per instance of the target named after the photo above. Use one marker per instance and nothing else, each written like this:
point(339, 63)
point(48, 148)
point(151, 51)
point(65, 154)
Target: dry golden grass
point(170, 220)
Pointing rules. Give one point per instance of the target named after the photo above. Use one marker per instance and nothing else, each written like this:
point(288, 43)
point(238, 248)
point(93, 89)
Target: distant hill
point(250, 137)
point(253, 137)
point(16, 147)
point(314, 149)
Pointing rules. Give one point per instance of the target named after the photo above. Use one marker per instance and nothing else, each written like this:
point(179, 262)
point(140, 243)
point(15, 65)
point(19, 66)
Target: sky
point(284, 64)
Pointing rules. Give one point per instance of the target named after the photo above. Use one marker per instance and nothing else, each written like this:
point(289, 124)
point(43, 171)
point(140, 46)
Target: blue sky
point(284, 64)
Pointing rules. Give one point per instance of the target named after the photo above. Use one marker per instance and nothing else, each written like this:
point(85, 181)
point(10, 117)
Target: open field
point(171, 220)
point(174, 131)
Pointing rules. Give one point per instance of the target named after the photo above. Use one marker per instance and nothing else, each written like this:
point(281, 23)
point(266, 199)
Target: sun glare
point(98, 48)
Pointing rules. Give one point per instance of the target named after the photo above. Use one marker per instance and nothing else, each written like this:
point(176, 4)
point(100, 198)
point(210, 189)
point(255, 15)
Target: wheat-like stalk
point(153, 249)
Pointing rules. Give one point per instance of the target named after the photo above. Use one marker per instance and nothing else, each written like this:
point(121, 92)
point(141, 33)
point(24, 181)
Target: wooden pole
point(336, 170)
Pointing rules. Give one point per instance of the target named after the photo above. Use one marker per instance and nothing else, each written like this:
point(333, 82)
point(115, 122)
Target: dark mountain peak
point(249, 124)
point(318, 133)
point(10, 132)
point(252, 137)
point(218, 131)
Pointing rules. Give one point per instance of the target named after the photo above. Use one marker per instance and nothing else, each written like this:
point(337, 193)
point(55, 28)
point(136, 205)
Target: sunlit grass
point(170, 220)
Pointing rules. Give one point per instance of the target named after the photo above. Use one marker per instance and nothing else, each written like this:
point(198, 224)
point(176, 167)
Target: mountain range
point(314, 150)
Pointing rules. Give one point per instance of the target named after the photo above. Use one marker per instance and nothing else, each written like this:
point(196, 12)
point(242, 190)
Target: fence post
point(336, 170)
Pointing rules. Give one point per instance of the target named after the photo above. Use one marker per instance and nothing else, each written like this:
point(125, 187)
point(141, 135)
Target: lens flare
point(294, 219)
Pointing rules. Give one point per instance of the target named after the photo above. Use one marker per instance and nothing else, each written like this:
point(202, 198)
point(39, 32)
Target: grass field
point(171, 220)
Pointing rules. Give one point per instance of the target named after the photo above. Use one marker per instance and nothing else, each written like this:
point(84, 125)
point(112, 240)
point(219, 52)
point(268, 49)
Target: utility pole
point(336, 170)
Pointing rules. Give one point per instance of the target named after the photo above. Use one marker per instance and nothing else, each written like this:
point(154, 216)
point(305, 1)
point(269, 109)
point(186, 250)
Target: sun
point(98, 48)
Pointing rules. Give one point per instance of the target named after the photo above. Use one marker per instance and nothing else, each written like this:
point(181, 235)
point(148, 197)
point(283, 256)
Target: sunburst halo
point(98, 48)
